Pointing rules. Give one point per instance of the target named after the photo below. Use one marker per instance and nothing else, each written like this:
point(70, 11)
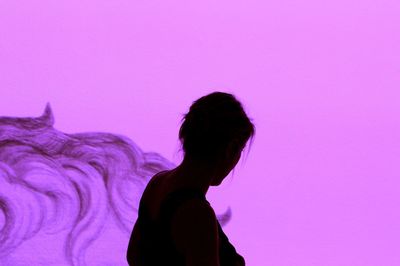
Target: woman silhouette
point(176, 225)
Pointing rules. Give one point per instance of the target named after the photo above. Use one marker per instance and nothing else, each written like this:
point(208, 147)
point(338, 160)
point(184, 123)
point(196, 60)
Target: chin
point(216, 183)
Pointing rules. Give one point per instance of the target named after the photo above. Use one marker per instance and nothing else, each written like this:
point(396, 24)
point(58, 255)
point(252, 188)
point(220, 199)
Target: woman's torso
point(161, 189)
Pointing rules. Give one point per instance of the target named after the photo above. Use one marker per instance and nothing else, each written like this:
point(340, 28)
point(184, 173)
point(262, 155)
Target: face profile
point(232, 157)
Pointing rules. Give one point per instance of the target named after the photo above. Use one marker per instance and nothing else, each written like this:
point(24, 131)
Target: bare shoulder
point(194, 208)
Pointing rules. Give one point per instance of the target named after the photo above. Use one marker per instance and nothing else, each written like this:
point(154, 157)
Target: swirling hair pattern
point(70, 184)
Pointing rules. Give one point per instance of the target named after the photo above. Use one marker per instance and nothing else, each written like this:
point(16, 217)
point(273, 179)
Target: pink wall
point(320, 79)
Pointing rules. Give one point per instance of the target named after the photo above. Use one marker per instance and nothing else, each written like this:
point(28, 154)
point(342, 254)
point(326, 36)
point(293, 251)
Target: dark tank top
point(156, 246)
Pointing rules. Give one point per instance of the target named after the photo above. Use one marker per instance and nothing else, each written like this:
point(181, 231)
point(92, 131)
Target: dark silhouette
point(176, 225)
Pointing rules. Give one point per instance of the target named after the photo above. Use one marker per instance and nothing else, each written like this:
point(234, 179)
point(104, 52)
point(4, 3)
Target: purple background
point(320, 79)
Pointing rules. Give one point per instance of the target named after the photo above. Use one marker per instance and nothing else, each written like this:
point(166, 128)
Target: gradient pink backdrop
point(320, 79)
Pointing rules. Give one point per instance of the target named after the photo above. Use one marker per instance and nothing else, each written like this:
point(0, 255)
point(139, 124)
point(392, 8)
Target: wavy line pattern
point(55, 183)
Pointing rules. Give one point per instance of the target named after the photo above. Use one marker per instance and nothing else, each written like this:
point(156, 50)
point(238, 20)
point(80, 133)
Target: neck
point(194, 174)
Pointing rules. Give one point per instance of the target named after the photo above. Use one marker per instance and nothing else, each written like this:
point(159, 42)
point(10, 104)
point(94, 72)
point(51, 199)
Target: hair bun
point(214, 121)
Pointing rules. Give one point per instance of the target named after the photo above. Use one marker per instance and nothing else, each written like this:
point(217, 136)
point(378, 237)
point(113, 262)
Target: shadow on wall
point(70, 184)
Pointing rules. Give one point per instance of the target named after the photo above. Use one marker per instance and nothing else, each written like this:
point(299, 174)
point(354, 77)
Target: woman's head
point(216, 128)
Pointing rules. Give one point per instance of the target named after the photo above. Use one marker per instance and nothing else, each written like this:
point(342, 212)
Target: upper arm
point(132, 252)
point(194, 230)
